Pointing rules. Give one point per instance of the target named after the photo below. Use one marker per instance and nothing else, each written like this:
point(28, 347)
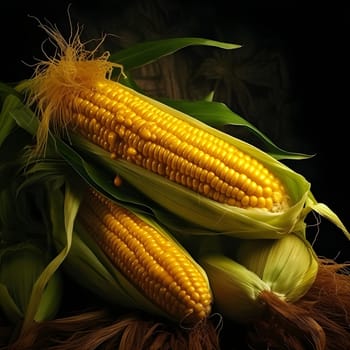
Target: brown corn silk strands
point(320, 320)
point(98, 329)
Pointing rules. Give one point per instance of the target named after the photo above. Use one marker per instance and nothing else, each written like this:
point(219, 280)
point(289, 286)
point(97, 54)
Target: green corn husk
point(288, 266)
point(20, 267)
point(235, 288)
point(285, 267)
point(29, 292)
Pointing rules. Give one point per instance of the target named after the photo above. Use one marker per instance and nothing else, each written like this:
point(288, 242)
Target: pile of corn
point(182, 231)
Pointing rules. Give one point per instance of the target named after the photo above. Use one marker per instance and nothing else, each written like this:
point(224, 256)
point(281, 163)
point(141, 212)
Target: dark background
point(312, 42)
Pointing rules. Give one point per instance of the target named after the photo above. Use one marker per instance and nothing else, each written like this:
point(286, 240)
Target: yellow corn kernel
point(135, 128)
point(150, 260)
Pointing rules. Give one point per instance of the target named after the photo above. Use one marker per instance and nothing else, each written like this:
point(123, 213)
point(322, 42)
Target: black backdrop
point(312, 39)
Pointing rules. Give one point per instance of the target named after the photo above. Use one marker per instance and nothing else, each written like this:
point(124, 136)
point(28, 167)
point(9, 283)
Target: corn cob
point(73, 92)
point(155, 263)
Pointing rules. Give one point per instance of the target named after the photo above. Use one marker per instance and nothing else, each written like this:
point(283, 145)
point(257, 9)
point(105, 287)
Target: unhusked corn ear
point(149, 259)
point(288, 265)
point(73, 92)
point(285, 267)
point(236, 289)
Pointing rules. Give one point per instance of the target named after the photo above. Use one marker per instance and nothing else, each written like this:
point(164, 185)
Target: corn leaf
point(21, 264)
point(7, 123)
point(327, 213)
point(9, 306)
point(7, 89)
point(24, 117)
point(218, 115)
point(20, 213)
point(147, 52)
point(61, 221)
point(213, 113)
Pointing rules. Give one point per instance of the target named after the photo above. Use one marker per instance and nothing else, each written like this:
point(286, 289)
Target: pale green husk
point(21, 265)
point(235, 288)
point(288, 266)
point(203, 215)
